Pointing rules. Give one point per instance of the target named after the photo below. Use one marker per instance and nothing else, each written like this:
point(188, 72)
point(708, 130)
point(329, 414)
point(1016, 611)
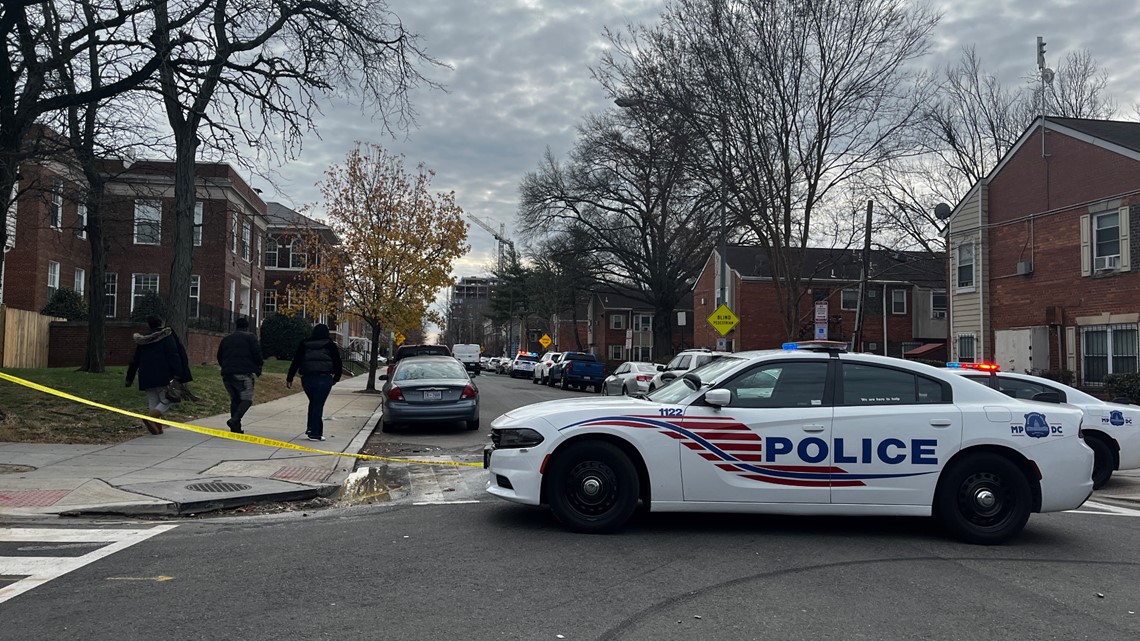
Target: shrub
point(281, 334)
point(1126, 385)
point(150, 303)
point(66, 303)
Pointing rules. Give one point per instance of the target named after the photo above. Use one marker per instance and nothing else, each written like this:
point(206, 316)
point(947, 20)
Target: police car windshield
point(679, 388)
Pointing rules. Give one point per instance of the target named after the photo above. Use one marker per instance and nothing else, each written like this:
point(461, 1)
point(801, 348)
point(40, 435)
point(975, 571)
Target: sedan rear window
point(411, 371)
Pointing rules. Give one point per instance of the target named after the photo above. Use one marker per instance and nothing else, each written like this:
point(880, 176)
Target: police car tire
point(1102, 461)
point(956, 505)
point(594, 487)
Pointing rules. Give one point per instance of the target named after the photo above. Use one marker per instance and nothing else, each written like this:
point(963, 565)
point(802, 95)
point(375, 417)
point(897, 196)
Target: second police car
point(1112, 430)
point(812, 430)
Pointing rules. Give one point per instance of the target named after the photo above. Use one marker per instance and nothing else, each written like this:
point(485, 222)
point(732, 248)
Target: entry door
point(770, 444)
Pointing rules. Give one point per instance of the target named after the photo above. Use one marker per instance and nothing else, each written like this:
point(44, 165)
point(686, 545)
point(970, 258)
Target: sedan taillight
point(644, 378)
point(469, 392)
point(395, 394)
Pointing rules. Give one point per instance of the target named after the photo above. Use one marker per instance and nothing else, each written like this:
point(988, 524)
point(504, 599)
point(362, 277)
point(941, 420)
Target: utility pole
point(864, 276)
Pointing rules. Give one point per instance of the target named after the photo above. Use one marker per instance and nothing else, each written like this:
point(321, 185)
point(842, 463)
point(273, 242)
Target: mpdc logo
point(1036, 426)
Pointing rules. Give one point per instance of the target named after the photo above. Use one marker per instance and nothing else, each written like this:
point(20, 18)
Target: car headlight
point(513, 438)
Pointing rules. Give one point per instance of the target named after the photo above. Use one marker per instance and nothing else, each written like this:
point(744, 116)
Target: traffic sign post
point(723, 320)
point(821, 320)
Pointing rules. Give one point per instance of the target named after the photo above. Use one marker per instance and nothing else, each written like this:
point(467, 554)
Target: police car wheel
point(1102, 461)
point(593, 487)
point(984, 499)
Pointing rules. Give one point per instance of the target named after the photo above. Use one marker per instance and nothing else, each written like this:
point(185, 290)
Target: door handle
point(940, 422)
point(814, 428)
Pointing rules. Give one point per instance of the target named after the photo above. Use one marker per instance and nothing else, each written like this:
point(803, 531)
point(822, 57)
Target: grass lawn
point(29, 416)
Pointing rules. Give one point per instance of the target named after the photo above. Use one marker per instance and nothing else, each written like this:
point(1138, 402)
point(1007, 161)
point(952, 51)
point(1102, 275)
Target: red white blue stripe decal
point(734, 448)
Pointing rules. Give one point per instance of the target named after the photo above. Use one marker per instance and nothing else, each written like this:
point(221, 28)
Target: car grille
point(495, 437)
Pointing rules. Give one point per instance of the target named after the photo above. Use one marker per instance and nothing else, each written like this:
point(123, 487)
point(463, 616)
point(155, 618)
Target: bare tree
point(254, 75)
point(800, 99)
point(628, 194)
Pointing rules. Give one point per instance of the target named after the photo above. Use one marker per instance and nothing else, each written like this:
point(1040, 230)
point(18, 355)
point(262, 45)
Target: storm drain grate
point(218, 486)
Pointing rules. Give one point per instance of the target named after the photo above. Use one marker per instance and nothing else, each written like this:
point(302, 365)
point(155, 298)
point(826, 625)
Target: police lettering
point(891, 451)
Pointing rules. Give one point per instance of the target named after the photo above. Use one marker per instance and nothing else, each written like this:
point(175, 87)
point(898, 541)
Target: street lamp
point(626, 102)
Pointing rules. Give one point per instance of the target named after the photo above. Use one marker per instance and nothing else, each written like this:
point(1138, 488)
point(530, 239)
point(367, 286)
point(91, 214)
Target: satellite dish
point(942, 211)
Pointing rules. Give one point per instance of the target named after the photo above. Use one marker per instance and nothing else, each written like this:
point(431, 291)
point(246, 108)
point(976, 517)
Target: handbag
point(176, 391)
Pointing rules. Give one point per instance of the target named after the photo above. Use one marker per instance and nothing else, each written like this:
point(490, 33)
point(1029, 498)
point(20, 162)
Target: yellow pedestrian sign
point(723, 320)
point(545, 341)
point(400, 338)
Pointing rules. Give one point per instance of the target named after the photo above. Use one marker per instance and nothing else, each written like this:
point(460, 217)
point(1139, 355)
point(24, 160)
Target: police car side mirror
point(718, 397)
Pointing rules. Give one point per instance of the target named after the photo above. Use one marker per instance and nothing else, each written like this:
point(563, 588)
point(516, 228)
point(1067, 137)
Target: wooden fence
point(25, 338)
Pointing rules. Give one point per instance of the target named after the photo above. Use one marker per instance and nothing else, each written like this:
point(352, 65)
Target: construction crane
point(500, 236)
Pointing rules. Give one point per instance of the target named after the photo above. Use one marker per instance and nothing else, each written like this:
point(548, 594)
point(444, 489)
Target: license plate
point(433, 396)
point(487, 458)
point(586, 378)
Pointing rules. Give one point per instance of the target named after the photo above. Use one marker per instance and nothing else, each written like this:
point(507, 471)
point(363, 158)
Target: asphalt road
point(492, 570)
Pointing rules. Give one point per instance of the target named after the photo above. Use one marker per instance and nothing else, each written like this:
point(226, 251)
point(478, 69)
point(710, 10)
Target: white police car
point(798, 431)
point(1112, 430)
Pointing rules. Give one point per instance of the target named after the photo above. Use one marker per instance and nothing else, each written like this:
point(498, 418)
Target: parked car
point(523, 365)
point(1112, 430)
point(842, 434)
point(577, 369)
point(542, 368)
point(469, 354)
point(429, 389)
point(687, 360)
point(492, 364)
point(630, 378)
point(405, 351)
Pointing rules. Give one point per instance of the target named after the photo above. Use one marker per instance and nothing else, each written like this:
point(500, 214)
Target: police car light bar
point(985, 367)
point(818, 346)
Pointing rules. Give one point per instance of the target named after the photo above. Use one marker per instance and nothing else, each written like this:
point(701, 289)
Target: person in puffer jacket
point(318, 361)
point(159, 358)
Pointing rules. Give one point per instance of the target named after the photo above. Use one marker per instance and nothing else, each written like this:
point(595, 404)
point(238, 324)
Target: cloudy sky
point(520, 82)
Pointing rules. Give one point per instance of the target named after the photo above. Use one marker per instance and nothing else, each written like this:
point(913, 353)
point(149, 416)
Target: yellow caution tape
point(248, 438)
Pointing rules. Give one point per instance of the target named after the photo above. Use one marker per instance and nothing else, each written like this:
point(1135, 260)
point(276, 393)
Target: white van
point(468, 355)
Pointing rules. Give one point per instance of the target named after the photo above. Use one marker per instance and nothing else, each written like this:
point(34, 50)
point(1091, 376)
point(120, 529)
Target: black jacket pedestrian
point(159, 357)
point(240, 353)
point(316, 355)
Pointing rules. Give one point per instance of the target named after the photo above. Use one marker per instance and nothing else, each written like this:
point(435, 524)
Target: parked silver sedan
point(430, 389)
point(630, 378)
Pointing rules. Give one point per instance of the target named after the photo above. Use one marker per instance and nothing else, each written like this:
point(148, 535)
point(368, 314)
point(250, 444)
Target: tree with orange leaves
point(398, 241)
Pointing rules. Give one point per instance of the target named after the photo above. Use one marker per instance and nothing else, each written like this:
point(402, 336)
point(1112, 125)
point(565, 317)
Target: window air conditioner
point(1105, 263)
point(938, 314)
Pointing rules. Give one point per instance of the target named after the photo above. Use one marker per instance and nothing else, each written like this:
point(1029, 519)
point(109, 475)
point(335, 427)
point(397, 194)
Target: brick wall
point(68, 344)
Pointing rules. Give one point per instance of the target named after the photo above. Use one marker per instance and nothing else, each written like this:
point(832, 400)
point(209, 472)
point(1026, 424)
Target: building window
point(965, 265)
point(81, 221)
point(234, 234)
point(1108, 349)
point(195, 295)
point(246, 239)
point(617, 321)
point(615, 352)
point(80, 281)
point(297, 257)
point(1106, 241)
point(642, 323)
point(141, 285)
point(259, 253)
point(198, 223)
point(148, 222)
point(938, 305)
point(271, 253)
point(270, 301)
point(256, 308)
point(898, 301)
point(643, 353)
point(966, 348)
point(849, 300)
point(55, 211)
point(110, 294)
point(53, 278)
point(233, 298)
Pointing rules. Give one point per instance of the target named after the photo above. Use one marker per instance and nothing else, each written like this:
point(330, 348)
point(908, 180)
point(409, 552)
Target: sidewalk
point(181, 472)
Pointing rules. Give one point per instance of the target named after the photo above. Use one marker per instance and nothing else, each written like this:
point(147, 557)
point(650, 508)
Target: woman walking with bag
point(318, 361)
point(159, 359)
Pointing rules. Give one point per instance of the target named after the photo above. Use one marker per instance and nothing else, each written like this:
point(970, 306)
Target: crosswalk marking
point(1092, 507)
point(37, 570)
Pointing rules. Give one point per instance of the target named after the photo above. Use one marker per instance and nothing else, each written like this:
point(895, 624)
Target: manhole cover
point(218, 486)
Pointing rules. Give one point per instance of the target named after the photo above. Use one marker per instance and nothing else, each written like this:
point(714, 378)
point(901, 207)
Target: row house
point(905, 312)
point(1040, 253)
point(49, 248)
point(621, 326)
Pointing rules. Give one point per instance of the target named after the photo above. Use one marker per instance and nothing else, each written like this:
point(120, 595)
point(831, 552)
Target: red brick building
point(621, 317)
point(1040, 253)
point(906, 299)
